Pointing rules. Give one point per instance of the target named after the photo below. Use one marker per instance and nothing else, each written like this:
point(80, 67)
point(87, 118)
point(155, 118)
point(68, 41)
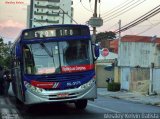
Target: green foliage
point(105, 36)
point(4, 54)
point(113, 86)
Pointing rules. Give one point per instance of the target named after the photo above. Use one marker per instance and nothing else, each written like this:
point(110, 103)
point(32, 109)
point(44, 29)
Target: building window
point(53, 0)
point(37, 10)
point(41, 17)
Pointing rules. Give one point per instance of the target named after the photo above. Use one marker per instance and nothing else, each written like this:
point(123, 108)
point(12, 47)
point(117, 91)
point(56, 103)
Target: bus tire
point(81, 104)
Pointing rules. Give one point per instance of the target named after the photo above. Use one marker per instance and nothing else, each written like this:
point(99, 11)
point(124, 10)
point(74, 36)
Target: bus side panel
point(18, 83)
point(17, 76)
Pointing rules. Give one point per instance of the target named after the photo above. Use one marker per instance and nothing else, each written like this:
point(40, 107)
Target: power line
point(141, 19)
point(123, 11)
point(90, 6)
point(150, 22)
point(153, 25)
point(85, 7)
point(118, 7)
point(146, 14)
point(68, 15)
point(113, 26)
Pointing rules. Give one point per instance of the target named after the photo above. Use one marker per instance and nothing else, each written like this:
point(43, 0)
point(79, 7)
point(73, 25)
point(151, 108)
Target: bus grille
point(67, 77)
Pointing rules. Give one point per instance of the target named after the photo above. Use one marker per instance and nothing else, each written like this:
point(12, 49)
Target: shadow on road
point(52, 110)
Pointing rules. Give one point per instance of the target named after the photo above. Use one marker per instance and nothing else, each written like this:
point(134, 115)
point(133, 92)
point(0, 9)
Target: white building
point(139, 51)
point(139, 63)
point(49, 12)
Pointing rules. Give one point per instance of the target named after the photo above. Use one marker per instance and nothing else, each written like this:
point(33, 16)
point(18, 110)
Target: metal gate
point(125, 78)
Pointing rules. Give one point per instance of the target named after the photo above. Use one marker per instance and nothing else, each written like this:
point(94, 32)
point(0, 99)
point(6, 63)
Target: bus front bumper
point(70, 95)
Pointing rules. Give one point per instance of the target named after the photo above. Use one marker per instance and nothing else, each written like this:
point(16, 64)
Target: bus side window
point(16, 62)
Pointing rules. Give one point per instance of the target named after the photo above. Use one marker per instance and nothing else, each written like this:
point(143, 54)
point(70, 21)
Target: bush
point(113, 86)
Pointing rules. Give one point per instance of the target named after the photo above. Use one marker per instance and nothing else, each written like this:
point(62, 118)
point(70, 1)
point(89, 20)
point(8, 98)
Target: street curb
point(128, 99)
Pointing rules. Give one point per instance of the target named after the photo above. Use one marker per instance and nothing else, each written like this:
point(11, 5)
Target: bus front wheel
point(81, 104)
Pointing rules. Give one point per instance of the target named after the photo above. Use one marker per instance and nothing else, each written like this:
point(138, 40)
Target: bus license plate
point(62, 95)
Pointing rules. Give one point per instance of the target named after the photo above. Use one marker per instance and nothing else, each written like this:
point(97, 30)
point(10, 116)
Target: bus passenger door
point(18, 82)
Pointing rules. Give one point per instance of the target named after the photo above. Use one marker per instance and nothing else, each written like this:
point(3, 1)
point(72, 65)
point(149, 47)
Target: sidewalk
point(131, 96)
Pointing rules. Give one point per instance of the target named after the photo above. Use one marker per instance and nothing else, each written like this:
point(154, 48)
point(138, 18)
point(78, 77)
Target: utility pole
point(63, 13)
point(63, 17)
point(95, 16)
point(95, 21)
point(119, 41)
point(67, 15)
point(119, 23)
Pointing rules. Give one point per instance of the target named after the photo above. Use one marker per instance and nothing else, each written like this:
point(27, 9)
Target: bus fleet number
point(74, 83)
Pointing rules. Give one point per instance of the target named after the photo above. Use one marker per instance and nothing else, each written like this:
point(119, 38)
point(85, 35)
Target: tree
point(4, 54)
point(105, 36)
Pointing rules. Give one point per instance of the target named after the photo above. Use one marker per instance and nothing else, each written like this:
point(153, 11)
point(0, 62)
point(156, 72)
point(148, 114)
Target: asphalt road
point(99, 109)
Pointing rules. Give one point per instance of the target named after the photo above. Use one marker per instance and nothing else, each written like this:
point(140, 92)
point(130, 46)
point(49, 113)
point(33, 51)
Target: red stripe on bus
point(45, 85)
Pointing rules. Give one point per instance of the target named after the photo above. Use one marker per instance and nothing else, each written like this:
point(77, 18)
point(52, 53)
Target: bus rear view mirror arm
point(96, 51)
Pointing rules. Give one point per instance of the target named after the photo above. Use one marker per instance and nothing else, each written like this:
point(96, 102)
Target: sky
point(13, 16)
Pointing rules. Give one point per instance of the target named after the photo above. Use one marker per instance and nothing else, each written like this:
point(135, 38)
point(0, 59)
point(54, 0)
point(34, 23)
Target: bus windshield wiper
point(46, 49)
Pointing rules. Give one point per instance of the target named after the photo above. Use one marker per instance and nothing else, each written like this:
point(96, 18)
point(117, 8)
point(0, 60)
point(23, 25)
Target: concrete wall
point(141, 54)
point(135, 79)
point(117, 74)
point(102, 73)
point(155, 79)
point(132, 79)
point(140, 78)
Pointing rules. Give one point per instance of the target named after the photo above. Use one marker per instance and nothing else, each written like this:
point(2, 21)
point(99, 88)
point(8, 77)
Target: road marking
point(103, 108)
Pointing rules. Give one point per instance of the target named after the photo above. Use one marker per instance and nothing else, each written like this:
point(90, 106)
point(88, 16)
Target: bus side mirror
point(96, 51)
point(18, 52)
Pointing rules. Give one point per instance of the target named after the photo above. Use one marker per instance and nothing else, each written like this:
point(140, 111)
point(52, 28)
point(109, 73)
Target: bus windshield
point(52, 57)
point(41, 58)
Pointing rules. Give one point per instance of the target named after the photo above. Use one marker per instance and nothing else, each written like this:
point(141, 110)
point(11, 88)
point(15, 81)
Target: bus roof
point(55, 26)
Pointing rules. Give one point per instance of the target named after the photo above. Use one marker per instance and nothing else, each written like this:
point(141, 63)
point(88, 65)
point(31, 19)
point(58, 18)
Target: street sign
point(105, 52)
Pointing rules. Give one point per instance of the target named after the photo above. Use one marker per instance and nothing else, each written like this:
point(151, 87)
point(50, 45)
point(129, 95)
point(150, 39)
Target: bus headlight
point(88, 84)
point(33, 88)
